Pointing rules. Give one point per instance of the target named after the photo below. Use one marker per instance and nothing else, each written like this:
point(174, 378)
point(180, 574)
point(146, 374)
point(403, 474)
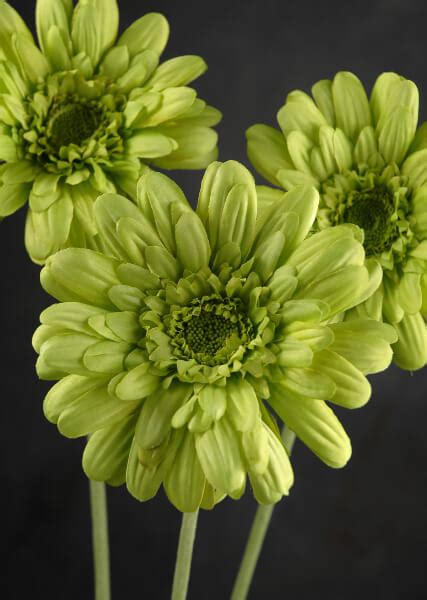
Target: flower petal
point(150, 31)
point(267, 151)
point(351, 104)
point(410, 351)
point(185, 483)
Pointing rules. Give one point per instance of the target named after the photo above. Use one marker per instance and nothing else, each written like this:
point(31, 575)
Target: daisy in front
point(175, 346)
point(369, 163)
point(84, 113)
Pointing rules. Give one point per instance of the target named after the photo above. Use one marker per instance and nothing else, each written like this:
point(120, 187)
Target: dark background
point(341, 535)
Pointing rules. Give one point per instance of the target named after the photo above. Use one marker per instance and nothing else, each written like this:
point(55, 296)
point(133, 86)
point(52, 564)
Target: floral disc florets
point(87, 112)
point(180, 341)
point(369, 163)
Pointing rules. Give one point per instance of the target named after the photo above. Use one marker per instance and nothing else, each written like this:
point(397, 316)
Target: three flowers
point(181, 337)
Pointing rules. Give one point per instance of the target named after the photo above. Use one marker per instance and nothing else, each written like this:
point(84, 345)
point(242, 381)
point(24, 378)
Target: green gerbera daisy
point(176, 344)
point(369, 163)
point(84, 113)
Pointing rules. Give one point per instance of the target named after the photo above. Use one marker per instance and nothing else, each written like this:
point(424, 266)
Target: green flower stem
point(101, 551)
point(256, 537)
point(184, 555)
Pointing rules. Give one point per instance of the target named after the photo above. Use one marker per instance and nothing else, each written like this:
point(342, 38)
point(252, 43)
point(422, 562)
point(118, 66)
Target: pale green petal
point(309, 382)
point(12, 198)
point(213, 401)
point(94, 27)
point(267, 151)
point(228, 189)
point(115, 62)
point(294, 354)
point(278, 478)
point(150, 31)
point(150, 144)
point(410, 352)
point(185, 483)
point(141, 67)
point(175, 102)
point(65, 352)
point(177, 72)
point(196, 146)
point(10, 24)
point(352, 388)
point(137, 384)
point(192, 244)
point(106, 454)
point(71, 316)
point(289, 179)
point(299, 148)
point(409, 293)
point(396, 135)
point(162, 263)
point(92, 412)
point(80, 274)
point(66, 391)
point(315, 424)
point(364, 343)
point(106, 357)
point(33, 63)
point(415, 167)
point(219, 454)
point(300, 114)
point(392, 310)
point(351, 104)
point(155, 421)
point(242, 404)
point(47, 231)
point(366, 146)
point(8, 149)
point(52, 13)
point(142, 482)
point(322, 94)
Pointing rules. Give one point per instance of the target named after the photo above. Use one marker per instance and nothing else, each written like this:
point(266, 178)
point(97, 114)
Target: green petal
point(155, 420)
point(366, 146)
point(137, 384)
point(364, 343)
point(177, 72)
point(294, 354)
point(10, 24)
point(409, 293)
point(162, 263)
point(415, 167)
point(410, 352)
point(47, 231)
point(352, 388)
point(351, 104)
point(278, 477)
point(267, 151)
point(300, 114)
point(7, 149)
point(396, 135)
point(322, 93)
point(52, 13)
point(142, 482)
point(162, 202)
point(219, 454)
point(44, 191)
point(185, 483)
point(106, 454)
point(72, 316)
point(341, 289)
point(228, 189)
point(108, 210)
point(289, 178)
point(142, 65)
point(213, 401)
point(150, 31)
point(242, 404)
point(66, 391)
point(175, 102)
point(283, 284)
point(80, 274)
point(392, 310)
point(309, 382)
point(316, 425)
point(94, 27)
point(192, 244)
point(196, 146)
point(94, 411)
point(150, 144)
point(12, 198)
point(65, 352)
point(106, 357)
point(33, 63)
point(115, 62)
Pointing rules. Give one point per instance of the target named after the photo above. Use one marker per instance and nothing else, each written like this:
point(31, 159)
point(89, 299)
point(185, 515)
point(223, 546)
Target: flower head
point(369, 163)
point(177, 342)
point(84, 113)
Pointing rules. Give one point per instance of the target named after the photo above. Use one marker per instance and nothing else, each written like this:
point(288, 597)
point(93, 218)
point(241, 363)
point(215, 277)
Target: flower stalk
point(257, 536)
point(101, 551)
point(184, 555)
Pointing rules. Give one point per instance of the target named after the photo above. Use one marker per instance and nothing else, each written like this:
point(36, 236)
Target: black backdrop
point(342, 534)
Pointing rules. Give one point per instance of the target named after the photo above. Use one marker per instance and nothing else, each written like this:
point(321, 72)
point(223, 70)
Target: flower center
point(210, 330)
point(72, 124)
point(372, 210)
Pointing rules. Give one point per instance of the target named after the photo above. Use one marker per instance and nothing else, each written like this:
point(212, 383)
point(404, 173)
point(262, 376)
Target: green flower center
point(72, 124)
point(210, 330)
point(372, 210)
